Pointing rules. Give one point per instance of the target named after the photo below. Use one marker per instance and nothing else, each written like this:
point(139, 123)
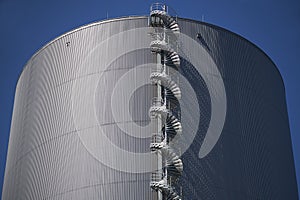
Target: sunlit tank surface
point(70, 119)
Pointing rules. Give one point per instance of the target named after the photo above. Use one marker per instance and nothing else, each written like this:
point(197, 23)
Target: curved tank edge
point(73, 31)
point(144, 16)
point(242, 38)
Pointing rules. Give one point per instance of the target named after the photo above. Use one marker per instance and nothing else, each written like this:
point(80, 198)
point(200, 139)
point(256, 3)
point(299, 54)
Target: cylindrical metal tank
point(81, 127)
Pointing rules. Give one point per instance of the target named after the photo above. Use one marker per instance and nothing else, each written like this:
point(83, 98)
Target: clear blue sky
point(273, 25)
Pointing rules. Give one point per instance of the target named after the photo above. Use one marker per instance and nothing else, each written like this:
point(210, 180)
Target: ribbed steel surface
point(55, 140)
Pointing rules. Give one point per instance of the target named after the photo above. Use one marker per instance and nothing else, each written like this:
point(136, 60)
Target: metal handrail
point(157, 176)
point(155, 101)
point(165, 8)
point(166, 36)
point(164, 41)
point(156, 138)
point(157, 70)
point(159, 6)
point(157, 35)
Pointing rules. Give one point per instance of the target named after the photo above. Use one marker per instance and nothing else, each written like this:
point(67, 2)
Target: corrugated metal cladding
point(54, 138)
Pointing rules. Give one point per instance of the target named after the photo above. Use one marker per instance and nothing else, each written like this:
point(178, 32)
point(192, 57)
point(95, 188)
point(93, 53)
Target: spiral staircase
point(164, 35)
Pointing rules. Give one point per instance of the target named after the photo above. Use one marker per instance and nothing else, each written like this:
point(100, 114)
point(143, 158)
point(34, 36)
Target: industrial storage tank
point(155, 107)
